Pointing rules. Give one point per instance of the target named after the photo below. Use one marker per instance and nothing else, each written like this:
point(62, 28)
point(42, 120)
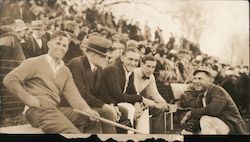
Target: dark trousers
point(53, 119)
point(108, 114)
point(157, 121)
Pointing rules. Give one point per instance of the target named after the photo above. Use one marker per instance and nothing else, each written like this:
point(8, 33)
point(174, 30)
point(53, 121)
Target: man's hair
point(206, 73)
point(58, 33)
point(148, 58)
point(130, 49)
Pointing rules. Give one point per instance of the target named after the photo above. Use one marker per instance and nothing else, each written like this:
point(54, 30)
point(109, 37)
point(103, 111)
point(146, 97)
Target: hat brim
point(99, 52)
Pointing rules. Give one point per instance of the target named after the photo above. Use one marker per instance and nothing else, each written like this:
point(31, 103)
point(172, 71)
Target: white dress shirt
point(204, 99)
point(127, 74)
point(55, 65)
point(38, 40)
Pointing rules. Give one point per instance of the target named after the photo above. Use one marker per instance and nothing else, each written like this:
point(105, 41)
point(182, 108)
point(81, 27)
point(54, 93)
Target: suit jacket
point(220, 104)
point(85, 81)
point(112, 85)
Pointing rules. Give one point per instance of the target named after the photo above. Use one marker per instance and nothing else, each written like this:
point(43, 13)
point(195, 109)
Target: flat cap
point(209, 71)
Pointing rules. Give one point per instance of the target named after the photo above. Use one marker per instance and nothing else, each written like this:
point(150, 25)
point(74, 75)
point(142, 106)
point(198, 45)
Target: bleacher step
point(21, 129)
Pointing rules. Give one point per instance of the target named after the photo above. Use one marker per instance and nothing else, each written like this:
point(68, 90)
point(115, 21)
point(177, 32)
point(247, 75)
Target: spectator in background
point(244, 89)
point(229, 84)
point(74, 46)
point(147, 32)
point(35, 44)
point(117, 49)
point(11, 41)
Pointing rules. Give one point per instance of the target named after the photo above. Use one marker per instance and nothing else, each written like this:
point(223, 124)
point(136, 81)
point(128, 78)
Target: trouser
point(211, 126)
point(124, 119)
point(108, 114)
point(52, 119)
point(157, 121)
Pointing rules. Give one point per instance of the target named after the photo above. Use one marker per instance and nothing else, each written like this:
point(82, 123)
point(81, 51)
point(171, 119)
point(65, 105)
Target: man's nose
point(134, 62)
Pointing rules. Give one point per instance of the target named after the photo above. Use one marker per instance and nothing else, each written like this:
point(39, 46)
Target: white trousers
point(211, 126)
point(142, 123)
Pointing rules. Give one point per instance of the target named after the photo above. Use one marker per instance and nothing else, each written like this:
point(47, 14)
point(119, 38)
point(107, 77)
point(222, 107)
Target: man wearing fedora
point(41, 81)
point(86, 71)
point(214, 112)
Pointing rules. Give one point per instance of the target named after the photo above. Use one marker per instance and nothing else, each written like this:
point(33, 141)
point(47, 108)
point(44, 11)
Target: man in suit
point(215, 111)
point(35, 44)
point(40, 82)
point(145, 85)
point(117, 80)
point(86, 71)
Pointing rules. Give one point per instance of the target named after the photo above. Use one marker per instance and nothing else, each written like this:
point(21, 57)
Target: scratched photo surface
point(124, 69)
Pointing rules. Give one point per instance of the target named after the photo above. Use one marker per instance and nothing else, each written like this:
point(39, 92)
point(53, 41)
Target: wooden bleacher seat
point(21, 129)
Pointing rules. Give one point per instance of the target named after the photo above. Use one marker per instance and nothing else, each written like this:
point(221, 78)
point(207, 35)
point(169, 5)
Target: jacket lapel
point(118, 64)
point(87, 71)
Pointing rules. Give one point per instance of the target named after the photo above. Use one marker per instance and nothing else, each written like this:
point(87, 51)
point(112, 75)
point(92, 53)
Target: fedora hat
point(99, 44)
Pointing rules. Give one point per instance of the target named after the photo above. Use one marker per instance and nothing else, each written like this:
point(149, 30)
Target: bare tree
point(192, 18)
point(239, 49)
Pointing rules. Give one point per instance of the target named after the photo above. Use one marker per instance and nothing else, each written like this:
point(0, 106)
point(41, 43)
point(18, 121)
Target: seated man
point(145, 85)
point(86, 71)
point(215, 111)
point(41, 81)
point(117, 81)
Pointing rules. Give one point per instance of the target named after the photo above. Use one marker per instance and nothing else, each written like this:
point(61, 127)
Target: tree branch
point(101, 1)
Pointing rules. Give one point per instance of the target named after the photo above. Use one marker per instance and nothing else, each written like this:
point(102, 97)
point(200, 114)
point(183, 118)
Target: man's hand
point(33, 102)
point(148, 102)
point(172, 107)
point(162, 106)
point(185, 118)
point(93, 115)
point(138, 110)
point(115, 110)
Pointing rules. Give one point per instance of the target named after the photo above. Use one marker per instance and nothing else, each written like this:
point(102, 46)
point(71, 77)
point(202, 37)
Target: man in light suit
point(86, 71)
point(145, 85)
point(215, 111)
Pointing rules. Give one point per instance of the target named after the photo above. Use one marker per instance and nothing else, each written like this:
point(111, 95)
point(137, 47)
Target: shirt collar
point(92, 66)
point(35, 36)
point(127, 73)
point(53, 61)
point(141, 74)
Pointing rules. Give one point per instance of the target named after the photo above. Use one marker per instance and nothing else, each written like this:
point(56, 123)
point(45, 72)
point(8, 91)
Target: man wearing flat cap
point(214, 112)
point(86, 71)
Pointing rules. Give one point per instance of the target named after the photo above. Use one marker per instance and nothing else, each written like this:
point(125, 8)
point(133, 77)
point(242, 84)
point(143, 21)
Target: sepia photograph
point(124, 69)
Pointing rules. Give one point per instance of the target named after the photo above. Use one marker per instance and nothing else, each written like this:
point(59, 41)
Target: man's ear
point(49, 44)
point(122, 58)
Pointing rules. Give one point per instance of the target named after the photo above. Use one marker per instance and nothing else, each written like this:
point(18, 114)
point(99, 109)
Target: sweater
point(36, 77)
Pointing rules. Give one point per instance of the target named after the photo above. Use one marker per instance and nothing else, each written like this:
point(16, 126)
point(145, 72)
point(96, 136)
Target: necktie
point(144, 77)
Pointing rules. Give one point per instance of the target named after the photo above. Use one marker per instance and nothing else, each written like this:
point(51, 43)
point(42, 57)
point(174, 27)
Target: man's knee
point(205, 120)
point(155, 112)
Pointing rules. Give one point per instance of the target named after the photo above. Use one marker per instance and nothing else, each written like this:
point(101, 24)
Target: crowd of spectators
point(26, 26)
